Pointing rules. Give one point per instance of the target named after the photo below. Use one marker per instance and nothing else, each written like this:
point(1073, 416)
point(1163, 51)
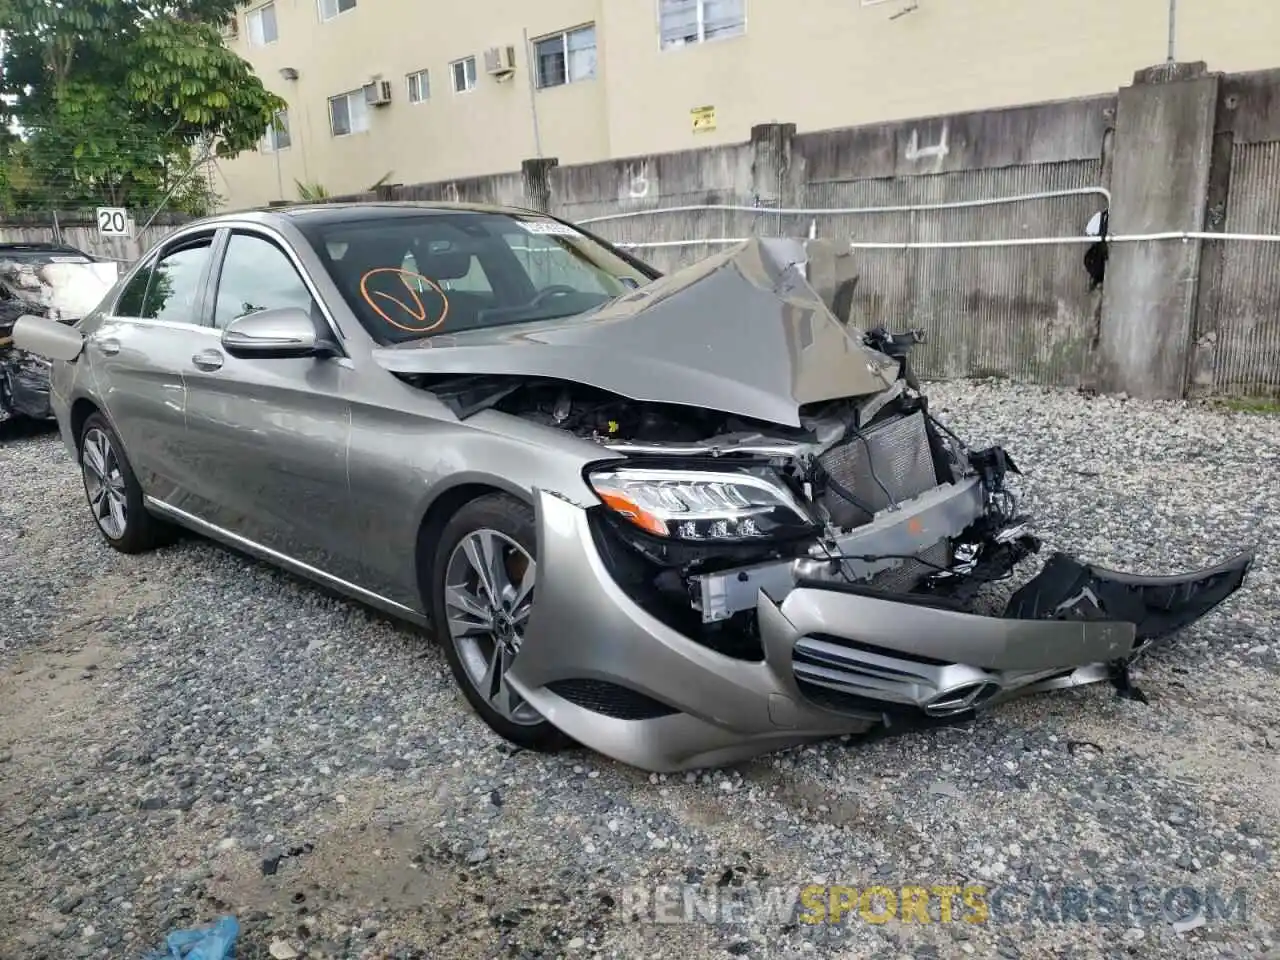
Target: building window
point(566, 57)
point(331, 8)
point(348, 113)
point(682, 22)
point(464, 75)
point(277, 135)
point(419, 86)
point(261, 24)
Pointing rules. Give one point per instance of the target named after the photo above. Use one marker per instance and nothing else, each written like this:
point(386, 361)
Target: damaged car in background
point(680, 519)
point(47, 280)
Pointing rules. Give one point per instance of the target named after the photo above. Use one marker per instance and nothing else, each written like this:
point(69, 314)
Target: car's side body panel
point(408, 450)
point(136, 368)
point(266, 443)
point(266, 453)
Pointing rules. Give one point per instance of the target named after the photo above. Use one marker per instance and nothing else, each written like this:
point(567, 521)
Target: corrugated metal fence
point(1247, 359)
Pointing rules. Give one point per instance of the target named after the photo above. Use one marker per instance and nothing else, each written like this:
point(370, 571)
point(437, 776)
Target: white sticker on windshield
point(70, 260)
point(549, 227)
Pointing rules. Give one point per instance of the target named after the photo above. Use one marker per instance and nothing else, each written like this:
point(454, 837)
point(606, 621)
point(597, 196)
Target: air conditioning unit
point(377, 93)
point(500, 61)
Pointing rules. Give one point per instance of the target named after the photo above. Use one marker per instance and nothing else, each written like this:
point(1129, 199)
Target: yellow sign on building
point(704, 118)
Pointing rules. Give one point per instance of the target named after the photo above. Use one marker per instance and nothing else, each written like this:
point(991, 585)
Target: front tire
point(481, 596)
point(114, 494)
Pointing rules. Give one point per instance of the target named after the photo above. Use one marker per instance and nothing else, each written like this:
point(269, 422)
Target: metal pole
point(903, 208)
point(1184, 236)
point(533, 95)
point(208, 150)
point(1173, 29)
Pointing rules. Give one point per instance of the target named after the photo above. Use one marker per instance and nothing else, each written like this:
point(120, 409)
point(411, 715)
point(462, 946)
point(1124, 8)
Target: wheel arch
point(81, 410)
point(442, 508)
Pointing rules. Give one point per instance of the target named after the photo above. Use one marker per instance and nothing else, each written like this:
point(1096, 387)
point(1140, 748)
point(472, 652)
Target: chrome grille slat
point(879, 676)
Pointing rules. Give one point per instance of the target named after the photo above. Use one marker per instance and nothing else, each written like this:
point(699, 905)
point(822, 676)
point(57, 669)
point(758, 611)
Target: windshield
point(408, 277)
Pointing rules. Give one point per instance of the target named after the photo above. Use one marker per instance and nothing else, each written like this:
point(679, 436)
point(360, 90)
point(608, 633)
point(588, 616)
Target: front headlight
point(727, 505)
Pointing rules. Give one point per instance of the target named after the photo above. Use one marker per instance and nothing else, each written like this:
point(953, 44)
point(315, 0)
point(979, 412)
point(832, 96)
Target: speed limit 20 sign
point(113, 222)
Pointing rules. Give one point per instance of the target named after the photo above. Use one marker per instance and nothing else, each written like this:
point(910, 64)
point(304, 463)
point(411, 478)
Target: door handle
point(208, 360)
point(110, 347)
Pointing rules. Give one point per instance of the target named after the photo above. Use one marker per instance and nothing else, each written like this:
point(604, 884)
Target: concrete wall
point(1025, 312)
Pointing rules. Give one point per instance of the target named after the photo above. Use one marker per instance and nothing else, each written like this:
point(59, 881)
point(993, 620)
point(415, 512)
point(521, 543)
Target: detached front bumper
point(835, 659)
point(25, 384)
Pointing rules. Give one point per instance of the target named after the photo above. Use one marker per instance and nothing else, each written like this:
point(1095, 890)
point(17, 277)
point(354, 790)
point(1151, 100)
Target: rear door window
point(134, 293)
point(170, 291)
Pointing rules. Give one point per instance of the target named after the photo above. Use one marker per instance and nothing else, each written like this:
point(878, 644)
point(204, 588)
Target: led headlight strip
point(701, 505)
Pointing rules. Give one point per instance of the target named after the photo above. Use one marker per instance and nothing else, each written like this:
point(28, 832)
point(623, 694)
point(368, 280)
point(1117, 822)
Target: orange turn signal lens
point(635, 513)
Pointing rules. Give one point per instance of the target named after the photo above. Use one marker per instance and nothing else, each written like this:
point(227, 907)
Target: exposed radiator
point(899, 450)
point(907, 576)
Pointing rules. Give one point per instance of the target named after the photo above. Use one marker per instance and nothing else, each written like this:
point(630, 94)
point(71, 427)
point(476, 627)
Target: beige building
point(410, 91)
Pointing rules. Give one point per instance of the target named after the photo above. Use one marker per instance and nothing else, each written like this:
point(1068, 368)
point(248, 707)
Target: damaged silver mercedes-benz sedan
point(680, 519)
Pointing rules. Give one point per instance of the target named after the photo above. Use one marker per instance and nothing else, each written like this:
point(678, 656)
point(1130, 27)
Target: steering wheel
point(555, 290)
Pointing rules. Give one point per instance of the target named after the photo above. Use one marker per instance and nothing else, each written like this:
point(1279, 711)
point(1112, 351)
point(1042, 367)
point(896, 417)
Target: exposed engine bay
point(851, 460)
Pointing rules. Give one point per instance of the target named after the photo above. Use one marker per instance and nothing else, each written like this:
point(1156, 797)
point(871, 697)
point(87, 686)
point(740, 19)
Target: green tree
point(117, 99)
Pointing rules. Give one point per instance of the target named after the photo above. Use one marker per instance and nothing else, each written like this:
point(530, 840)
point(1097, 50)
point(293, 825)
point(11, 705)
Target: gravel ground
point(188, 734)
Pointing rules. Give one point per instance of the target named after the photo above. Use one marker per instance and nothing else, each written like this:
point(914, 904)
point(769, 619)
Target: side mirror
point(47, 338)
point(277, 334)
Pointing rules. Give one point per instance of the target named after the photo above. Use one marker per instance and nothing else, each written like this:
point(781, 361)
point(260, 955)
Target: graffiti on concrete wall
point(936, 151)
point(638, 183)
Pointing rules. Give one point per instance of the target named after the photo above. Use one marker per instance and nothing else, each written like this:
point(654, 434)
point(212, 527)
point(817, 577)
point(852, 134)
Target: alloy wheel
point(487, 596)
point(104, 483)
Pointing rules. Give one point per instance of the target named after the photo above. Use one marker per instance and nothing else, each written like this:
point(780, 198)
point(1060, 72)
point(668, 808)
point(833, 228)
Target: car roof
point(319, 214)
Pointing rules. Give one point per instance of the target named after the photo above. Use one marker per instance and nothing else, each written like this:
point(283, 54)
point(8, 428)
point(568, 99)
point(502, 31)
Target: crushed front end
point(773, 538)
point(60, 287)
point(732, 595)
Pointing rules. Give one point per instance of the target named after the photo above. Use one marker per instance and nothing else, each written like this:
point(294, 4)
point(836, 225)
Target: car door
point(271, 434)
point(137, 355)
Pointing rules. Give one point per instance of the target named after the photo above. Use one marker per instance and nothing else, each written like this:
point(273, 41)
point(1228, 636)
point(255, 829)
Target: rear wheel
point(114, 494)
point(484, 575)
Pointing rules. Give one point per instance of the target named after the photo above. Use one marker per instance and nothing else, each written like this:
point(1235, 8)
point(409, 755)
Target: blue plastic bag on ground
point(217, 942)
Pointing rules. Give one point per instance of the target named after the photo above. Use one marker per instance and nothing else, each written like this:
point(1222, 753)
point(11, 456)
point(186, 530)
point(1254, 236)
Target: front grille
point(848, 676)
point(610, 699)
point(898, 448)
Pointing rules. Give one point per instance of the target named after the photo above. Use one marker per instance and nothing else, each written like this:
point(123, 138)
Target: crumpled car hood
point(70, 290)
point(741, 332)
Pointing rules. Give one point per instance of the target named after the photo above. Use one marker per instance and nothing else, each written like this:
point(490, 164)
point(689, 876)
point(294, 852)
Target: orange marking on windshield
point(416, 308)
